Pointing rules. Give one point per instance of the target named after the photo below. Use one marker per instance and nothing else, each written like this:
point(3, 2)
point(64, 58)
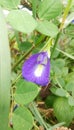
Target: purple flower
point(37, 69)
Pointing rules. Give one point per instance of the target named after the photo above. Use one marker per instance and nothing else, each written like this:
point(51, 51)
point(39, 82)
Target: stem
point(22, 58)
point(34, 4)
point(66, 54)
point(65, 14)
point(13, 83)
point(61, 26)
point(17, 38)
point(55, 44)
point(56, 126)
point(58, 83)
point(37, 128)
point(47, 45)
point(29, 51)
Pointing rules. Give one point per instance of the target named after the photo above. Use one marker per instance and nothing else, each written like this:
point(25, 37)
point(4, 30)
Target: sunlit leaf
point(10, 4)
point(63, 111)
point(22, 21)
point(49, 9)
point(71, 101)
point(61, 92)
point(47, 28)
point(22, 119)
point(26, 92)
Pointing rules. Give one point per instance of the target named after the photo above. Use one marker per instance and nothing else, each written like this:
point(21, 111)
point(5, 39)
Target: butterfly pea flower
point(37, 69)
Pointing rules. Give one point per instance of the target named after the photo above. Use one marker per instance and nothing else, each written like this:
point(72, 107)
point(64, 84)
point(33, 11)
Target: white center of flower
point(39, 70)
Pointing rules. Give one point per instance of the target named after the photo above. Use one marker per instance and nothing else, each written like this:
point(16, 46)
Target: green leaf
point(60, 62)
point(25, 46)
point(22, 119)
point(70, 77)
point(63, 111)
point(53, 90)
point(58, 68)
point(57, 71)
point(70, 86)
point(64, 71)
point(21, 21)
point(55, 54)
point(10, 4)
point(5, 74)
point(9, 128)
point(47, 28)
point(71, 101)
point(50, 100)
point(49, 9)
point(25, 92)
point(69, 31)
point(61, 92)
point(34, 7)
point(61, 81)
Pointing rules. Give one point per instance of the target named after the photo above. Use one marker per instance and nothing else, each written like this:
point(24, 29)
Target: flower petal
point(37, 68)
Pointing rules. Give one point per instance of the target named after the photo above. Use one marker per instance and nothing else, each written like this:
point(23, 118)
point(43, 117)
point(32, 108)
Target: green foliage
point(22, 21)
point(25, 92)
point(35, 3)
point(63, 81)
point(10, 4)
point(29, 34)
point(70, 77)
point(69, 31)
point(50, 100)
point(24, 46)
point(22, 119)
point(63, 111)
point(49, 9)
point(70, 86)
point(47, 28)
point(58, 68)
point(5, 74)
point(71, 100)
point(59, 92)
